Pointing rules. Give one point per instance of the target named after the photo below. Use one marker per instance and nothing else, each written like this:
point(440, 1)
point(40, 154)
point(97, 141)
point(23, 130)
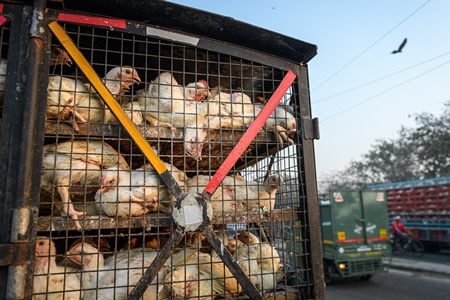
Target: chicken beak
point(102, 190)
point(136, 78)
point(196, 157)
point(67, 63)
point(75, 259)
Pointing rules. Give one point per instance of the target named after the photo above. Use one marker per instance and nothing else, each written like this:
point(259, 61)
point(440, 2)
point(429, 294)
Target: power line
point(376, 80)
point(346, 65)
point(384, 92)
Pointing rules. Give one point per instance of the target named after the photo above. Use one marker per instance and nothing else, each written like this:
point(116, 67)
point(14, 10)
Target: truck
point(355, 233)
point(424, 206)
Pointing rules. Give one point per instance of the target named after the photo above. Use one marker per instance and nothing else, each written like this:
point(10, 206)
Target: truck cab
point(355, 233)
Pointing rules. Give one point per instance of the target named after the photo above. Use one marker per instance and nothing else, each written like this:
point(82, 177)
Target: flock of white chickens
point(123, 192)
point(188, 273)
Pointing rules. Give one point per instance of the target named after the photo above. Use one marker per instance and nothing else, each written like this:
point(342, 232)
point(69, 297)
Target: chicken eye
point(41, 243)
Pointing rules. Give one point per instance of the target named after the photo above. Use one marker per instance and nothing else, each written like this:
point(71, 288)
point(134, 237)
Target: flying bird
point(400, 47)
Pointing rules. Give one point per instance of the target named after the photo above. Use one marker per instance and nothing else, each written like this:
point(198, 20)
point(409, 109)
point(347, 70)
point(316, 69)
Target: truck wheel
point(365, 277)
point(327, 272)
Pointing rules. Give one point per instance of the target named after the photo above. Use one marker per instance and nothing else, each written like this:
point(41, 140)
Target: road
point(395, 285)
point(442, 257)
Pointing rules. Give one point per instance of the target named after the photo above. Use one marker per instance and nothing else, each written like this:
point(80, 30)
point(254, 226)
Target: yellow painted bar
point(93, 78)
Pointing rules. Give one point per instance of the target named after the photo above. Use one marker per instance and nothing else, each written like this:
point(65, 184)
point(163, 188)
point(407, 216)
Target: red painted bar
point(250, 134)
point(80, 19)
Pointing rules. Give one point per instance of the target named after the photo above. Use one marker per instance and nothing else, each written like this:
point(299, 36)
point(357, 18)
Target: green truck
point(355, 233)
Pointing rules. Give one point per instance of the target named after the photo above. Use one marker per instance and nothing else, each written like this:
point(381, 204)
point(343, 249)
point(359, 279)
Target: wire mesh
point(105, 213)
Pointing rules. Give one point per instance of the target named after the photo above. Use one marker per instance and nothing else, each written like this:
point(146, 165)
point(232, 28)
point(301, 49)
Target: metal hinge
point(311, 128)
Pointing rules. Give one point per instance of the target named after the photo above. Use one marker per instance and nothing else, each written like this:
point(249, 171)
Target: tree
point(431, 139)
point(418, 153)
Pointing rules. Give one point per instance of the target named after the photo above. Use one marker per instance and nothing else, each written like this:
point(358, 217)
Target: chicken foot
point(69, 111)
point(281, 134)
point(67, 208)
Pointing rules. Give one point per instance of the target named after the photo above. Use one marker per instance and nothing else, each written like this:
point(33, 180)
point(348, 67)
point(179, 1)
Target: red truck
point(424, 206)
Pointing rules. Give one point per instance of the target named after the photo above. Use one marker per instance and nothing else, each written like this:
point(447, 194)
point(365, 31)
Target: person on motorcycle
point(399, 231)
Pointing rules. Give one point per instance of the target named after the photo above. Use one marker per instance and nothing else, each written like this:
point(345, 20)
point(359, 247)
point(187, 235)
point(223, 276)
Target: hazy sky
point(359, 90)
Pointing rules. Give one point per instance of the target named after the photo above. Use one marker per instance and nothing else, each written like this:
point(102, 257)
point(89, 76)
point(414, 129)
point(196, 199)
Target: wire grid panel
point(104, 211)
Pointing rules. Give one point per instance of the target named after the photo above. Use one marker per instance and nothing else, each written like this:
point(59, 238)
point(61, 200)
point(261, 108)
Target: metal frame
point(30, 135)
point(20, 149)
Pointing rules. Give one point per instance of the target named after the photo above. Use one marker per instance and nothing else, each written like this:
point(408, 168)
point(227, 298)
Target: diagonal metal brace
point(156, 265)
point(230, 262)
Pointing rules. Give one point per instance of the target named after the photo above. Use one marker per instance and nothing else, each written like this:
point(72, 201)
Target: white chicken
point(210, 115)
point(236, 194)
point(224, 198)
point(239, 106)
point(63, 93)
point(136, 192)
point(233, 111)
point(50, 281)
point(259, 196)
point(70, 97)
point(115, 277)
point(167, 103)
point(75, 163)
point(134, 112)
point(199, 275)
point(118, 81)
point(269, 269)
point(282, 122)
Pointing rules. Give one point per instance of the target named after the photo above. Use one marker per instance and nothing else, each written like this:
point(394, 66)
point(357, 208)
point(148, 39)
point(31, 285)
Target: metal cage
point(89, 212)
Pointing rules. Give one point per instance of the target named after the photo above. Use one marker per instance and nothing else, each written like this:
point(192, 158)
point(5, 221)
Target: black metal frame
point(21, 148)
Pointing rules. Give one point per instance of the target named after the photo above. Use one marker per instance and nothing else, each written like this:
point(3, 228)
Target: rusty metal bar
point(156, 265)
point(13, 253)
point(23, 233)
point(313, 233)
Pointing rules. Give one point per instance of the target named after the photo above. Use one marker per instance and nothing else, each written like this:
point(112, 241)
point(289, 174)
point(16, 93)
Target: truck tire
point(366, 277)
point(326, 272)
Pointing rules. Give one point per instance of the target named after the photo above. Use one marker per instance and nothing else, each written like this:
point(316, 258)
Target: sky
point(360, 91)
